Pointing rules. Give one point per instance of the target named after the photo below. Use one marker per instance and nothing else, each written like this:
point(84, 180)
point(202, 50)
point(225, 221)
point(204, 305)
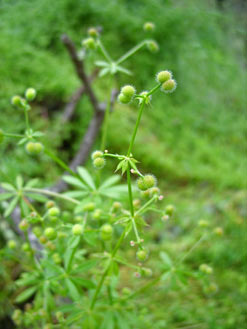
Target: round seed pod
point(106, 232)
point(25, 247)
point(142, 255)
point(30, 94)
point(128, 91)
point(49, 204)
point(77, 229)
point(42, 239)
point(34, 147)
point(99, 163)
point(169, 210)
point(11, 244)
point(89, 206)
point(123, 99)
point(23, 225)
point(152, 46)
point(148, 27)
point(53, 212)
point(17, 101)
point(97, 154)
point(218, 231)
point(163, 76)
point(89, 43)
point(50, 233)
point(93, 32)
point(169, 86)
point(37, 231)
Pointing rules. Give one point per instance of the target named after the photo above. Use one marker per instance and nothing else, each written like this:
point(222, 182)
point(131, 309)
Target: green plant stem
point(156, 280)
point(146, 205)
point(130, 192)
point(13, 135)
point(136, 128)
point(105, 125)
point(104, 51)
point(60, 163)
point(131, 52)
point(152, 91)
point(27, 120)
point(100, 284)
point(50, 193)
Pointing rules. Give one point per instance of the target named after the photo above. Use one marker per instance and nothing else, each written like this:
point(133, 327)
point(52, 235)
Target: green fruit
point(142, 255)
point(11, 244)
point(23, 225)
point(50, 233)
point(97, 154)
point(53, 212)
point(128, 91)
point(99, 163)
point(169, 86)
point(89, 43)
point(123, 99)
point(106, 232)
point(77, 229)
point(89, 206)
point(37, 231)
point(152, 46)
point(34, 147)
point(146, 182)
point(30, 94)
point(148, 27)
point(169, 210)
point(164, 76)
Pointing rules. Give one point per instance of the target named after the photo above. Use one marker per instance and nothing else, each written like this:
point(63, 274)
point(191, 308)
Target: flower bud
point(11, 244)
point(147, 272)
point(1, 136)
point(163, 76)
point(99, 163)
point(152, 46)
point(89, 43)
point(92, 32)
point(53, 212)
point(137, 203)
point(30, 94)
point(146, 182)
point(50, 233)
point(23, 225)
point(34, 147)
point(128, 91)
point(169, 86)
point(148, 27)
point(77, 229)
point(142, 255)
point(97, 154)
point(106, 232)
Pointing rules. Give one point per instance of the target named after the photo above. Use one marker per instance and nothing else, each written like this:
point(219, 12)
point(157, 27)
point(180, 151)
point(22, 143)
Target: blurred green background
point(192, 140)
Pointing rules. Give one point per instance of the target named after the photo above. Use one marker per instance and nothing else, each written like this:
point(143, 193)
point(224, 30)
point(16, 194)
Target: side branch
point(80, 70)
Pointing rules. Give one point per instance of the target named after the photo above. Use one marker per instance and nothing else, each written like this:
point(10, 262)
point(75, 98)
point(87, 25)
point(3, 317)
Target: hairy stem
point(131, 52)
point(136, 128)
point(100, 284)
point(53, 194)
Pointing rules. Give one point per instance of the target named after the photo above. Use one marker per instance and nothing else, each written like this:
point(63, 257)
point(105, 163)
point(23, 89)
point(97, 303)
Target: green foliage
point(193, 141)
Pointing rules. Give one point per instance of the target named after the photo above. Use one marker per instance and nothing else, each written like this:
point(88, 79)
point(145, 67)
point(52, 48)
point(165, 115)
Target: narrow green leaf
point(110, 181)
point(72, 289)
point(25, 294)
point(74, 181)
point(8, 187)
point(166, 259)
point(83, 282)
point(84, 174)
point(11, 206)
point(5, 196)
point(85, 266)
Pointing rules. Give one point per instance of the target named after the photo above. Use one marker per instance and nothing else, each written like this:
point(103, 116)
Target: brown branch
point(80, 70)
point(74, 100)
